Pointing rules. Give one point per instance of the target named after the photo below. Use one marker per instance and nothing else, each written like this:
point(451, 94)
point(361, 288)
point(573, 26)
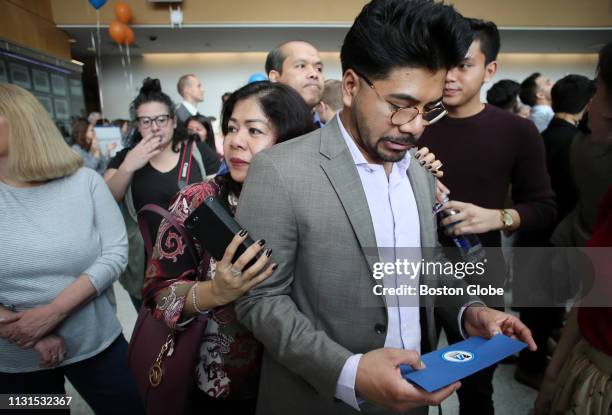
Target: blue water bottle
point(469, 244)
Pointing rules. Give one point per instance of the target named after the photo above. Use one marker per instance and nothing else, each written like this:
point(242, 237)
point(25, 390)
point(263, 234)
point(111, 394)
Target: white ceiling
point(240, 38)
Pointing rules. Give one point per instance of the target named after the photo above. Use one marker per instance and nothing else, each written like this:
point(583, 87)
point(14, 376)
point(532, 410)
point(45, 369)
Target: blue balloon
point(257, 77)
point(97, 3)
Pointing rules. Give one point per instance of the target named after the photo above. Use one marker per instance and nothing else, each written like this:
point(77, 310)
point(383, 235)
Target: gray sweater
point(50, 235)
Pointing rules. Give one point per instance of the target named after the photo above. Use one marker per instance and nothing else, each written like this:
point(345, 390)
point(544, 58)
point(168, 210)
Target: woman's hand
point(428, 160)
point(232, 280)
point(144, 151)
point(32, 325)
point(52, 351)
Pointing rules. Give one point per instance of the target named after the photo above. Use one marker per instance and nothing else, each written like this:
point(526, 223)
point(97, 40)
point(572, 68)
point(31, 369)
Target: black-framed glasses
point(161, 121)
point(404, 115)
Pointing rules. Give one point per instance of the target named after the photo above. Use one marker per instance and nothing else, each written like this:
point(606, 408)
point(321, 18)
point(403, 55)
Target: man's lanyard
point(185, 170)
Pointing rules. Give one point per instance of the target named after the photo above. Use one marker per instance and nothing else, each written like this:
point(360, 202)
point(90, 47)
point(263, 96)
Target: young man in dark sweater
point(484, 150)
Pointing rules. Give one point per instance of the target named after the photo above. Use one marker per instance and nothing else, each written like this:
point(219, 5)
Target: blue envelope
point(454, 362)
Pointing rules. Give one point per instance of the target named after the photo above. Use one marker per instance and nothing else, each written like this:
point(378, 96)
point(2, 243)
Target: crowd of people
point(318, 172)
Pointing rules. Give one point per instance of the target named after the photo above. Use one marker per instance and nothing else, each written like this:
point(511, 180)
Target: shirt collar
point(316, 120)
point(192, 109)
point(358, 157)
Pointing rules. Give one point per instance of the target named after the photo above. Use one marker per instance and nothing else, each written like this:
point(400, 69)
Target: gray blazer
point(182, 113)
point(306, 199)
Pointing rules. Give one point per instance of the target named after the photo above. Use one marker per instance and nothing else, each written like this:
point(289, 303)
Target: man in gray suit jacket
point(190, 89)
point(329, 202)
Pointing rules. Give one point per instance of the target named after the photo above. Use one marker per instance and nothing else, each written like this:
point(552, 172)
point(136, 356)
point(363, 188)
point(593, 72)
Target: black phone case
point(214, 228)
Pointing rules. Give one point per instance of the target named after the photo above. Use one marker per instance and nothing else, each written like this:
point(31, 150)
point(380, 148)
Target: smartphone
point(214, 228)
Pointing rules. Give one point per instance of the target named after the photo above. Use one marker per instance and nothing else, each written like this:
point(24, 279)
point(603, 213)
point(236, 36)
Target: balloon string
point(98, 49)
point(129, 60)
point(123, 65)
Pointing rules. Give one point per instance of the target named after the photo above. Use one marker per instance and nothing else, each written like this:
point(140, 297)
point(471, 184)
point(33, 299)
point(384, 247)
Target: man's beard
point(377, 152)
point(390, 155)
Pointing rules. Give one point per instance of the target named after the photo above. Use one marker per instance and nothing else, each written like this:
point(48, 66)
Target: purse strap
point(146, 235)
point(185, 163)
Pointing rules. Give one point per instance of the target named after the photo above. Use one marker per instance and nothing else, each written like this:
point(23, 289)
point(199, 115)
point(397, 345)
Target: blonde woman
point(64, 244)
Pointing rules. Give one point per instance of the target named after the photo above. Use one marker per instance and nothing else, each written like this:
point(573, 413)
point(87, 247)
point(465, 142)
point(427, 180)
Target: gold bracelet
point(194, 299)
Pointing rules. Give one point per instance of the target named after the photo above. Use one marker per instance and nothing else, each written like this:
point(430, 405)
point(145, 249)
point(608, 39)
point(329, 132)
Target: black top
point(558, 142)
point(486, 153)
point(149, 185)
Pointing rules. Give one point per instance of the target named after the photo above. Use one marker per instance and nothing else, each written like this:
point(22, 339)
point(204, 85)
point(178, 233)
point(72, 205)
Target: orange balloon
point(129, 36)
point(117, 30)
point(123, 12)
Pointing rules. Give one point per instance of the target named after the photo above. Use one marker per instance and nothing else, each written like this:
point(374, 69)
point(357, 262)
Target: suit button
point(379, 328)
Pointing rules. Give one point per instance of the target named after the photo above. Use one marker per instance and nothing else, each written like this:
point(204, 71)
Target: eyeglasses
point(161, 121)
point(404, 115)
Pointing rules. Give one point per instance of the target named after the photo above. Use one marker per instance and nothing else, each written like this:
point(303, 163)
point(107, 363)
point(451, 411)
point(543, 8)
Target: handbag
point(161, 360)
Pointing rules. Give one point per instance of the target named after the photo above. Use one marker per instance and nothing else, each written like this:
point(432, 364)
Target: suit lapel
point(422, 194)
point(339, 166)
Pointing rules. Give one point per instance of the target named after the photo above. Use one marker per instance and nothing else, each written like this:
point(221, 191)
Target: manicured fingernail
point(274, 267)
point(429, 167)
point(417, 155)
point(243, 232)
point(268, 253)
point(434, 171)
point(422, 162)
point(261, 242)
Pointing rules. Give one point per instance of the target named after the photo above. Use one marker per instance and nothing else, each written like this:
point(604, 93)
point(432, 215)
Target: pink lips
point(451, 91)
point(397, 146)
point(238, 162)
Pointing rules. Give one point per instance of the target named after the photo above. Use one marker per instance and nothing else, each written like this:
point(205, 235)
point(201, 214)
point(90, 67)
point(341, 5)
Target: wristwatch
point(506, 219)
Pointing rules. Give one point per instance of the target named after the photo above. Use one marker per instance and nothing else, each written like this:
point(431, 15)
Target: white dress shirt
point(191, 108)
point(541, 116)
point(396, 225)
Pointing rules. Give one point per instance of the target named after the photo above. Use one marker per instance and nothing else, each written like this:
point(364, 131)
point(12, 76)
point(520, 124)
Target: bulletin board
point(58, 87)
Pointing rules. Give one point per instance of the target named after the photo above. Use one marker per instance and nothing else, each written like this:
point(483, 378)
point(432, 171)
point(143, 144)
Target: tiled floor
point(511, 398)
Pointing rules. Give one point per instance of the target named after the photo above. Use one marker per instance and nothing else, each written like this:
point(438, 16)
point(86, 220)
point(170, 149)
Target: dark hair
point(487, 34)
point(275, 59)
point(604, 66)
point(503, 94)
point(79, 132)
point(119, 122)
point(529, 89)
point(210, 135)
point(572, 93)
point(151, 92)
point(284, 107)
point(392, 33)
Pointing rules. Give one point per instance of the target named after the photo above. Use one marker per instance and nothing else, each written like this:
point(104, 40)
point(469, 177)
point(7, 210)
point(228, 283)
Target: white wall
point(221, 72)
